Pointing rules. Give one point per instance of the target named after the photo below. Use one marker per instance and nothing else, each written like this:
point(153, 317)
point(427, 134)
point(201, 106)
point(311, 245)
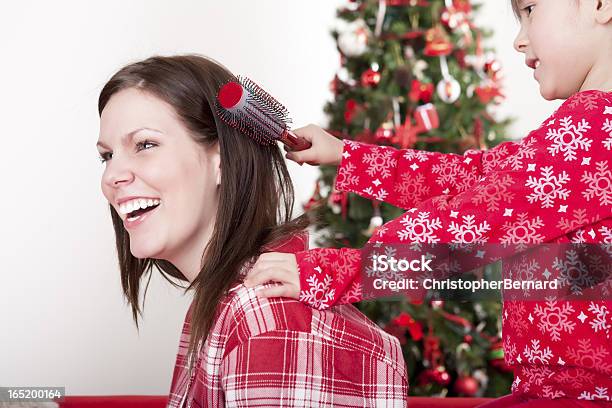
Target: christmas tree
point(415, 74)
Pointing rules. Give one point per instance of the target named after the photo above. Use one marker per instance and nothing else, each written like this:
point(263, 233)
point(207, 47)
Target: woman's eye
point(529, 9)
point(139, 146)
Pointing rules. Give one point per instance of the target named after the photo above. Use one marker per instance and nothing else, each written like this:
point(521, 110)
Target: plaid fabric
point(279, 352)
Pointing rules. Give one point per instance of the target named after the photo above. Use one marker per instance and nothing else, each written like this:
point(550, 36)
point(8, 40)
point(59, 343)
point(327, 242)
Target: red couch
point(157, 401)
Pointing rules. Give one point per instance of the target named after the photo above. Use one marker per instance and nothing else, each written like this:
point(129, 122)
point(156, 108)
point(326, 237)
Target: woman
point(200, 201)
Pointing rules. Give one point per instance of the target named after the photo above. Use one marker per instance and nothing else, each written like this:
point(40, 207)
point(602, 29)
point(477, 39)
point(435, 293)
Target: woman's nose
point(117, 172)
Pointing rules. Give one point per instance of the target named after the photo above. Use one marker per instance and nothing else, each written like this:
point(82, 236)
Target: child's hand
point(325, 149)
point(278, 267)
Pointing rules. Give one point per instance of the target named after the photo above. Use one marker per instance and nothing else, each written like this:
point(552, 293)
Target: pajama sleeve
point(406, 177)
point(554, 181)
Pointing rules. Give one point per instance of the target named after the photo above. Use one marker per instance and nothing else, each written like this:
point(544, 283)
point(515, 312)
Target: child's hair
point(255, 196)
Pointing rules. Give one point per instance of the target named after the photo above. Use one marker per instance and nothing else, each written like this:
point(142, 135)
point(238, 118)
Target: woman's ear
point(603, 14)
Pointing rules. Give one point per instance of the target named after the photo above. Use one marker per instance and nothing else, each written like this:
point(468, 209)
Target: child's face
point(557, 38)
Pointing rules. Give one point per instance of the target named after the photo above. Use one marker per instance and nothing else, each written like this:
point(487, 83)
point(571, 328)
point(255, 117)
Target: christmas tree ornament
point(338, 202)
point(414, 327)
point(448, 88)
point(496, 357)
point(376, 221)
point(385, 133)
point(351, 109)
point(380, 17)
point(409, 52)
point(421, 91)
point(466, 386)
point(353, 42)
point(419, 69)
point(437, 42)
point(426, 117)
point(370, 77)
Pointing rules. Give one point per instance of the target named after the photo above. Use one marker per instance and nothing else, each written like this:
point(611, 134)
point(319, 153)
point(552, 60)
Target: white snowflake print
point(380, 162)
point(555, 319)
point(351, 144)
point(569, 138)
point(548, 188)
point(534, 354)
point(573, 272)
point(420, 229)
point(524, 270)
point(523, 231)
point(447, 170)
point(588, 356)
point(319, 257)
point(493, 158)
point(550, 393)
point(346, 176)
point(318, 294)
point(420, 155)
point(515, 312)
point(525, 151)
point(494, 192)
point(412, 188)
point(587, 100)
point(344, 265)
point(536, 374)
point(467, 232)
point(579, 218)
point(599, 184)
point(575, 377)
point(600, 320)
point(601, 393)
point(380, 195)
point(607, 127)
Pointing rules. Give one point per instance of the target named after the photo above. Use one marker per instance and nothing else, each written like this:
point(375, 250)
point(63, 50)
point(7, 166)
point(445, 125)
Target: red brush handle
point(294, 142)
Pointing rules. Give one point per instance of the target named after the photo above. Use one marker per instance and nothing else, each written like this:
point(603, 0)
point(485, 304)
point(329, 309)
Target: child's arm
point(545, 193)
point(403, 177)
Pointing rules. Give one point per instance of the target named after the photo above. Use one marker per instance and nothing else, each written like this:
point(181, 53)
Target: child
point(554, 186)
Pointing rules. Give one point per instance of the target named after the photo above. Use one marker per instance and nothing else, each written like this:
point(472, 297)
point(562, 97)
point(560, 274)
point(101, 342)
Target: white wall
point(63, 321)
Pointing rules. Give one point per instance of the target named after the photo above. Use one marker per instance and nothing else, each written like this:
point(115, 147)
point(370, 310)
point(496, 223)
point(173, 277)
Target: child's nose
point(521, 42)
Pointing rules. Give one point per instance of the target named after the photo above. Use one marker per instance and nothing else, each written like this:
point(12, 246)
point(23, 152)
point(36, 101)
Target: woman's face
point(150, 155)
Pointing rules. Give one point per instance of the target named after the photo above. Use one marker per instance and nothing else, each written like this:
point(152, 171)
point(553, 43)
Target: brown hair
point(256, 194)
point(515, 8)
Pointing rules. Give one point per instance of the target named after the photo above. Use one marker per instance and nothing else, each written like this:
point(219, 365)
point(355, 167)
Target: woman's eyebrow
point(128, 135)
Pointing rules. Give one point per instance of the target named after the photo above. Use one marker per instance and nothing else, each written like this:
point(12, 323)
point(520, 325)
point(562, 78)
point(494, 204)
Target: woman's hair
point(256, 194)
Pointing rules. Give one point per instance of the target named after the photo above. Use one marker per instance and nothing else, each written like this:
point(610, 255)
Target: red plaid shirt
point(554, 186)
point(279, 352)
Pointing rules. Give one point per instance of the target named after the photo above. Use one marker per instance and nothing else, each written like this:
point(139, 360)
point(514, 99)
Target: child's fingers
point(276, 274)
point(285, 290)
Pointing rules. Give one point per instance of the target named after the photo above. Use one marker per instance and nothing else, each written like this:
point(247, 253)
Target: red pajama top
point(279, 352)
point(553, 186)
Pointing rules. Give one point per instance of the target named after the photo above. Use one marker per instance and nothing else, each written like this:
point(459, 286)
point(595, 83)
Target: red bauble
point(370, 78)
point(385, 134)
point(468, 339)
point(466, 386)
point(434, 375)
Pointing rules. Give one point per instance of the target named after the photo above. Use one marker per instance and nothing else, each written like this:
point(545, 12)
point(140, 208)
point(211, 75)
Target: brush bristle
point(262, 117)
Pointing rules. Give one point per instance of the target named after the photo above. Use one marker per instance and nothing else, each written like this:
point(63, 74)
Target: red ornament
point(421, 91)
point(370, 78)
point(468, 339)
point(437, 42)
point(351, 108)
point(466, 386)
point(488, 92)
point(414, 328)
point(385, 134)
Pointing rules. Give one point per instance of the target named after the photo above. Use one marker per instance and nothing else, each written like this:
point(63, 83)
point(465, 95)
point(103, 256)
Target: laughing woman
point(199, 202)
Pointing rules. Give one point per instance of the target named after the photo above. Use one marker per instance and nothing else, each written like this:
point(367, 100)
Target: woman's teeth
point(138, 203)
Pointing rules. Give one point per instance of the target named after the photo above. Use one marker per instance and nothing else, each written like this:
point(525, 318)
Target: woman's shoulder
point(246, 316)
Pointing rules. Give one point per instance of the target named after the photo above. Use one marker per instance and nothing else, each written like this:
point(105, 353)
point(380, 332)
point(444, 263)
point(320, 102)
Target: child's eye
point(529, 9)
point(139, 146)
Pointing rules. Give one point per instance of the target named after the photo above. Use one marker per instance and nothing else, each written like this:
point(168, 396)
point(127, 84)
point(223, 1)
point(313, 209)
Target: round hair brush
point(245, 106)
